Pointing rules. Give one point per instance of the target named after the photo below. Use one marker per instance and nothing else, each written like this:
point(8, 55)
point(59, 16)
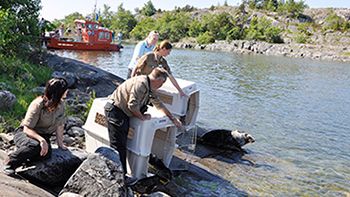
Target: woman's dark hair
point(164, 44)
point(54, 90)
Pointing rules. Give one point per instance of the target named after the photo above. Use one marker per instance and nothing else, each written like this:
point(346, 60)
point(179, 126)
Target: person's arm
point(33, 134)
point(171, 77)
point(173, 119)
point(141, 116)
point(59, 137)
point(60, 120)
point(160, 106)
point(138, 91)
point(174, 82)
point(133, 72)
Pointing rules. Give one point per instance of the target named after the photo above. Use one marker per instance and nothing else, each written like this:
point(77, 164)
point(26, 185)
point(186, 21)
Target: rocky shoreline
point(317, 52)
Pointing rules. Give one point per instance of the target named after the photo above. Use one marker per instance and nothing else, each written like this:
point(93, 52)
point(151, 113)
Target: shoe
point(130, 181)
point(8, 170)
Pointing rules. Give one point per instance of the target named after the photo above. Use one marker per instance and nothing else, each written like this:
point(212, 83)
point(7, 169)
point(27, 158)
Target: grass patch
point(346, 53)
point(20, 77)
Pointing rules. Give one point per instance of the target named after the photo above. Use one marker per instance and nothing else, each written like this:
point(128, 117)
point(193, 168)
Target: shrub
point(205, 38)
point(195, 28)
point(292, 8)
point(218, 24)
point(301, 38)
point(18, 19)
point(335, 23)
point(234, 34)
point(272, 35)
point(20, 77)
point(261, 29)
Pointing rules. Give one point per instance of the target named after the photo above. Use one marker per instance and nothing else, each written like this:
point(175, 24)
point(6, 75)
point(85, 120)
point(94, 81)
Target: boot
point(8, 169)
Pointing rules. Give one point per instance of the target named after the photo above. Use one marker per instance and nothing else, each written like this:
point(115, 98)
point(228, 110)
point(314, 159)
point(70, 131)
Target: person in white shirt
point(142, 48)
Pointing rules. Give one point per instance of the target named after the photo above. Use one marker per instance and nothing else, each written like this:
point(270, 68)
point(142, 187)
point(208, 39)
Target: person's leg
point(27, 148)
point(118, 126)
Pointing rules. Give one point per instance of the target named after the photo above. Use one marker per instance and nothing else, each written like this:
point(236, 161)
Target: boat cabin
point(92, 32)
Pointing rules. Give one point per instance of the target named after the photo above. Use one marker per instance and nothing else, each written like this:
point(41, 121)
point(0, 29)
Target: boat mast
point(94, 15)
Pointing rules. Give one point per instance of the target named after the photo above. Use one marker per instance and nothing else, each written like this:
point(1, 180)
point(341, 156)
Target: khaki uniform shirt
point(148, 62)
point(133, 94)
point(41, 120)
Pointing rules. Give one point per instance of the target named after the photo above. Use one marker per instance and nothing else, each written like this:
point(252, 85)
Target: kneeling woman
point(155, 59)
point(45, 115)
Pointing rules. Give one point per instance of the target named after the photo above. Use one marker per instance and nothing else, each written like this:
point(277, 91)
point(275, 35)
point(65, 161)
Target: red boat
point(88, 35)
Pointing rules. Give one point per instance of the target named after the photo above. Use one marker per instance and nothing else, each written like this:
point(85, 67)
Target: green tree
point(148, 9)
point(334, 22)
point(234, 34)
point(68, 20)
point(217, 24)
point(292, 8)
point(123, 21)
point(186, 8)
point(173, 25)
point(261, 29)
point(251, 3)
point(205, 38)
point(18, 29)
point(142, 28)
point(106, 17)
point(195, 28)
point(271, 5)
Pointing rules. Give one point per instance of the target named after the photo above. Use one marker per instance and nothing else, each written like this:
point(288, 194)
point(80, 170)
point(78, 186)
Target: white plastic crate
point(185, 107)
point(96, 132)
point(140, 137)
point(156, 136)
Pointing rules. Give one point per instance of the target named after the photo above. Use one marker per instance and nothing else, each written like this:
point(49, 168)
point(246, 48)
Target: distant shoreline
point(316, 52)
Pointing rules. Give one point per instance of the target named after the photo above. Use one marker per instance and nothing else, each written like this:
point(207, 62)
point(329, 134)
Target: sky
point(53, 9)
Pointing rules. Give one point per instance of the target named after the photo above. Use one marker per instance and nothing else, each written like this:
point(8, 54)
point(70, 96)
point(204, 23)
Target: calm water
point(298, 110)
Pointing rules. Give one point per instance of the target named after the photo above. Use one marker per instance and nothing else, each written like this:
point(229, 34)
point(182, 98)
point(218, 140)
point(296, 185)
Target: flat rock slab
point(84, 76)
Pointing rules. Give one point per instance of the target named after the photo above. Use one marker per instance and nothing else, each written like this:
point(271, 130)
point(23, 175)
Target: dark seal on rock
point(226, 139)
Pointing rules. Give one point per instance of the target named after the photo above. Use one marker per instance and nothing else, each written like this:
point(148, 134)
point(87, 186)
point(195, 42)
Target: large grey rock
point(86, 76)
point(57, 169)
point(7, 99)
point(76, 132)
point(101, 174)
point(72, 121)
point(68, 76)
